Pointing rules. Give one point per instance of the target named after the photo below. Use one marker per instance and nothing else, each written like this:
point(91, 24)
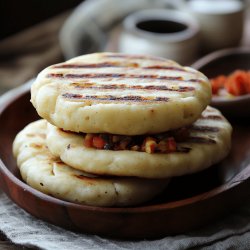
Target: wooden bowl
point(189, 201)
point(225, 62)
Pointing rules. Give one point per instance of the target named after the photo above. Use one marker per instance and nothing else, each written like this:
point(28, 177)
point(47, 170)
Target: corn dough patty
point(48, 174)
point(208, 142)
point(120, 94)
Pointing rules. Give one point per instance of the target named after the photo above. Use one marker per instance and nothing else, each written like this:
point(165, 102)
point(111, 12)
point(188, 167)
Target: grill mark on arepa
point(201, 140)
point(204, 128)
point(160, 67)
point(94, 65)
point(115, 65)
point(114, 98)
point(211, 117)
point(119, 75)
point(139, 57)
point(131, 87)
point(114, 75)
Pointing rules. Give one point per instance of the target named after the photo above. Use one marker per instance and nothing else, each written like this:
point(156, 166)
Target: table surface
point(5, 244)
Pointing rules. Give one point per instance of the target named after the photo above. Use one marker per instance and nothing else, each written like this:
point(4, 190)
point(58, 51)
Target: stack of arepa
point(117, 127)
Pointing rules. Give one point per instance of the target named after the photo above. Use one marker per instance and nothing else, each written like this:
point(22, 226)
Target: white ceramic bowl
point(177, 40)
point(225, 62)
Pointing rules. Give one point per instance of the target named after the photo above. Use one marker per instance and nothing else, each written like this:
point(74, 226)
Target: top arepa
point(120, 94)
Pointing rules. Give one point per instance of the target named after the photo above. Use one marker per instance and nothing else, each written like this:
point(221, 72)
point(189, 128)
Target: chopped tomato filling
point(88, 140)
point(237, 83)
point(159, 143)
point(98, 142)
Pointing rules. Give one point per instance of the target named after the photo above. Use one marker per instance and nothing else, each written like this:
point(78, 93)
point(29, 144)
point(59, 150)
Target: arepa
point(48, 174)
point(120, 94)
point(208, 141)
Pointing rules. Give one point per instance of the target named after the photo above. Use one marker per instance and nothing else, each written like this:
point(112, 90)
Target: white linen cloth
point(231, 232)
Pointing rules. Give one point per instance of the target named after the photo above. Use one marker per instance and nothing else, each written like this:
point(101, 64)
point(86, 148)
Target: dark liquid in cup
point(161, 26)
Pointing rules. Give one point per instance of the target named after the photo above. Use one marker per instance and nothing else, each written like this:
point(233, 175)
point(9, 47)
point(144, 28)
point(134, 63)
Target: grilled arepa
point(120, 94)
point(204, 143)
point(50, 175)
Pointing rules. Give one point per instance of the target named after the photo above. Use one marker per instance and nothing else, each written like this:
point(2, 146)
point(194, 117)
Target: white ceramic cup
point(221, 22)
point(166, 33)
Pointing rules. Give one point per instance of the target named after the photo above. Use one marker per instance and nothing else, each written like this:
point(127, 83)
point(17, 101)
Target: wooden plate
point(188, 202)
